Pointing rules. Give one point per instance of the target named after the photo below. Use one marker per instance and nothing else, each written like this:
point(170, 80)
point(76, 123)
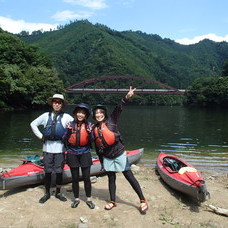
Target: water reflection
point(197, 135)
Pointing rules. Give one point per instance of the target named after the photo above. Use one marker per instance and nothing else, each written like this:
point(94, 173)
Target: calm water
point(197, 135)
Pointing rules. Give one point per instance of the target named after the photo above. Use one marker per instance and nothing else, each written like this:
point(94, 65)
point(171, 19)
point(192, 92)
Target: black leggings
point(75, 181)
point(47, 181)
point(131, 179)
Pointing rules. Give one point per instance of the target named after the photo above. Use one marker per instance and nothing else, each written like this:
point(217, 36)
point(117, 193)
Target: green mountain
point(82, 50)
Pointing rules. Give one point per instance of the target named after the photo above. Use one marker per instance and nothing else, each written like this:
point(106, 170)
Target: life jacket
point(79, 135)
point(54, 129)
point(104, 137)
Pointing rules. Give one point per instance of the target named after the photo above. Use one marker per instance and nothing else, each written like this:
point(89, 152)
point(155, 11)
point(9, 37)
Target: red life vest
point(103, 136)
point(79, 136)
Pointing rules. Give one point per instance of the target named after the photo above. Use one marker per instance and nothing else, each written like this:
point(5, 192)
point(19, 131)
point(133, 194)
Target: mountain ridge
point(82, 50)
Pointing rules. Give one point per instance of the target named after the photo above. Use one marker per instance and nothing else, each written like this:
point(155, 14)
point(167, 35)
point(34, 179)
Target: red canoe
point(181, 176)
point(30, 173)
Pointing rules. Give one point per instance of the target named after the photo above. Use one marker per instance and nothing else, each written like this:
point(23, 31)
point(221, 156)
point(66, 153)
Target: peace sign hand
point(130, 93)
point(90, 128)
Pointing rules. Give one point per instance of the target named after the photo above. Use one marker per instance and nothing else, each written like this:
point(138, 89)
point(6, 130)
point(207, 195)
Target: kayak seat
point(173, 164)
point(36, 159)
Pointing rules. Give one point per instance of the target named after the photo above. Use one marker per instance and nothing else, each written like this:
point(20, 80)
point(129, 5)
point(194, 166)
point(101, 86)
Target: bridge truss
point(81, 87)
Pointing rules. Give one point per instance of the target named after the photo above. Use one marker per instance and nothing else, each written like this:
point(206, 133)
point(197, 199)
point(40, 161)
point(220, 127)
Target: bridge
point(80, 87)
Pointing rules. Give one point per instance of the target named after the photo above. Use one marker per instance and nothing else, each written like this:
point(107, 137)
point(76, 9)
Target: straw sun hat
point(57, 96)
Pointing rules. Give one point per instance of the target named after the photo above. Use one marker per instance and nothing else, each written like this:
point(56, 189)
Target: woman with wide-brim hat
point(111, 151)
point(78, 137)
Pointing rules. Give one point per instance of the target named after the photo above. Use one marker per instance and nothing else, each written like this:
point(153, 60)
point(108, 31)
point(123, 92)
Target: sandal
point(90, 204)
point(143, 208)
point(75, 203)
point(110, 205)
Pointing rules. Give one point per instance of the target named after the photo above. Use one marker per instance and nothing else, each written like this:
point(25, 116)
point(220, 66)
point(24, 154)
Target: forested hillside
point(33, 67)
point(82, 50)
point(27, 76)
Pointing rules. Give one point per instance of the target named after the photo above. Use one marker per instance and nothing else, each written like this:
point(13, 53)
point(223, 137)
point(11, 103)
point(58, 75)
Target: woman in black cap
point(78, 138)
point(111, 151)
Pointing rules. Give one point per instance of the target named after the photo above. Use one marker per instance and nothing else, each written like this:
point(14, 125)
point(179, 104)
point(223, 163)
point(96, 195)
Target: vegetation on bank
point(209, 92)
point(139, 99)
point(27, 76)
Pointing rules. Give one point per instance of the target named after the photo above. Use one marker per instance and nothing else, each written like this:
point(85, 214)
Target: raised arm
point(118, 109)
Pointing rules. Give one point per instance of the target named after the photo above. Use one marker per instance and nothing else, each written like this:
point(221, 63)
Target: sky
point(184, 21)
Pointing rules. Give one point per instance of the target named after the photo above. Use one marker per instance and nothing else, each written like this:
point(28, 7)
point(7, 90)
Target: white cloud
point(128, 2)
point(70, 15)
point(16, 26)
point(92, 4)
point(197, 39)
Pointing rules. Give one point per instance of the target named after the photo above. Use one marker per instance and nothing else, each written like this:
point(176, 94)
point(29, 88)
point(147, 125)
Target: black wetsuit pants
point(86, 179)
point(47, 181)
point(131, 179)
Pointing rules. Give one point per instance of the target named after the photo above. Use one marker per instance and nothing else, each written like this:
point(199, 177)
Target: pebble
point(135, 168)
point(83, 222)
point(93, 179)
point(83, 219)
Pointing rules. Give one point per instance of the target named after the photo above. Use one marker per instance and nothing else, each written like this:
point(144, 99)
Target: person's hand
point(130, 92)
point(90, 128)
point(68, 126)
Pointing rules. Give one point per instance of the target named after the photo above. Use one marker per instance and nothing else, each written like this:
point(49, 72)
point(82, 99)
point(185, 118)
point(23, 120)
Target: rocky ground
point(167, 208)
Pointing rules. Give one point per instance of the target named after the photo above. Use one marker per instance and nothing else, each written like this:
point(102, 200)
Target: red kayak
point(181, 176)
point(32, 171)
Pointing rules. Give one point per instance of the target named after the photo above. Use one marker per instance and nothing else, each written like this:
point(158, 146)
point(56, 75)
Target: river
point(197, 135)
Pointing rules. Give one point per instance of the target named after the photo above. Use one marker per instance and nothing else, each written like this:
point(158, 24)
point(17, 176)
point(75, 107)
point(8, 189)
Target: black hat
point(99, 106)
point(82, 106)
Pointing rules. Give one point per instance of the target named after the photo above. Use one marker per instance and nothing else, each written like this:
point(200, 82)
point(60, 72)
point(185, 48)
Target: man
point(53, 157)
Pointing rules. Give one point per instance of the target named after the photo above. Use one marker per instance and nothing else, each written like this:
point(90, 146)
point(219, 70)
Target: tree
point(208, 92)
point(225, 69)
point(23, 33)
point(27, 76)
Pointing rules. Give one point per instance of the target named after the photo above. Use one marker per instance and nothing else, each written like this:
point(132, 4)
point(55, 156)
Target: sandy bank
point(20, 208)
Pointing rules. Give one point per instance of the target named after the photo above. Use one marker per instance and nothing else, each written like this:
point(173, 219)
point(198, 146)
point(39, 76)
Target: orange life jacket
point(79, 136)
point(103, 136)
